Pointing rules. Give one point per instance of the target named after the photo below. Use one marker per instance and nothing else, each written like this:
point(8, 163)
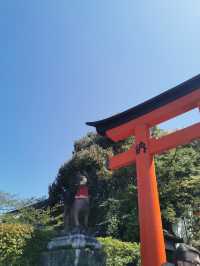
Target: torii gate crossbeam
point(137, 122)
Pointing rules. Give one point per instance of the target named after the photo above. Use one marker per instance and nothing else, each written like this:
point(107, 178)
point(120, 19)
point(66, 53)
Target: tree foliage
point(114, 210)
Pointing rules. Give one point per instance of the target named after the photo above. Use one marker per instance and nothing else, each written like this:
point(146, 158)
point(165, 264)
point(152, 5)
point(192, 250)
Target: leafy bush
point(20, 244)
point(28, 215)
point(120, 253)
point(34, 247)
point(13, 239)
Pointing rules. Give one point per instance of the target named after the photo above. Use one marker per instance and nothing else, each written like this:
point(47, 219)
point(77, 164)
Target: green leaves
point(178, 175)
point(13, 239)
point(21, 244)
point(120, 253)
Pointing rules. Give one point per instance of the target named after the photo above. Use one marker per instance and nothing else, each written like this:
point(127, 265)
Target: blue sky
point(63, 63)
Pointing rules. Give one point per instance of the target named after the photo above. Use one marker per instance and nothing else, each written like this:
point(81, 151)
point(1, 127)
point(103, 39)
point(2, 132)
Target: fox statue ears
point(83, 181)
point(85, 174)
point(83, 177)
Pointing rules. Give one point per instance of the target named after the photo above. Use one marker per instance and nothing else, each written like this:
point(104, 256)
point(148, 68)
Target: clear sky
point(66, 62)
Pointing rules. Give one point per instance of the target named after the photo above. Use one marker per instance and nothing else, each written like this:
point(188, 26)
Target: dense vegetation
point(120, 253)
point(114, 210)
point(24, 234)
point(21, 244)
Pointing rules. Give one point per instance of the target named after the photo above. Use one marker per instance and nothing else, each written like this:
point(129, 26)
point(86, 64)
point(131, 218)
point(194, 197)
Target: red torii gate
point(137, 121)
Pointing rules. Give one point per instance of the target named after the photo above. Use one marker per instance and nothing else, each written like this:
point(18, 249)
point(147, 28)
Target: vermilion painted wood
point(122, 159)
point(157, 146)
point(151, 233)
point(175, 139)
point(153, 118)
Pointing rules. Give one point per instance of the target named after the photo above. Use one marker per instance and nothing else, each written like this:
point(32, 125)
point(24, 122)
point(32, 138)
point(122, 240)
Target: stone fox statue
point(77, 203)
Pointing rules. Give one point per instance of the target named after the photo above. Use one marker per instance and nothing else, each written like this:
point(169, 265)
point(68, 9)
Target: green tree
point(114, 210)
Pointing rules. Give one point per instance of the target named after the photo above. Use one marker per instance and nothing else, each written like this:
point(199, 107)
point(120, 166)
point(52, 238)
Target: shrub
point(35, 246)
point(13, 238)
point(21, 244)
point(120, 253)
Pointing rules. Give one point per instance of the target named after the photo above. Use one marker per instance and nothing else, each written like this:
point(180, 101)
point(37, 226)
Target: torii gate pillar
point(138, 121)
point(151, 233)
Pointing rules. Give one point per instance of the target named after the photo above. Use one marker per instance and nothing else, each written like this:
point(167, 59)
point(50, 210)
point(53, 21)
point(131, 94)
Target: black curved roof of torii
point(146, 107)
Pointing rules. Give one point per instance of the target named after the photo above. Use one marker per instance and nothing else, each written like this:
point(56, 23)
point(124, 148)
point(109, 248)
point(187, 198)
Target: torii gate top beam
point(152, 112)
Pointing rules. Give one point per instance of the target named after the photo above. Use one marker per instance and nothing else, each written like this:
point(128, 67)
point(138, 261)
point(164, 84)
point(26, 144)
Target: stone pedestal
point(74, 249)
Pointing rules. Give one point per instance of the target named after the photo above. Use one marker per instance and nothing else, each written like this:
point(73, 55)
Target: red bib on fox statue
point(81, 203)
point(82, 192)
